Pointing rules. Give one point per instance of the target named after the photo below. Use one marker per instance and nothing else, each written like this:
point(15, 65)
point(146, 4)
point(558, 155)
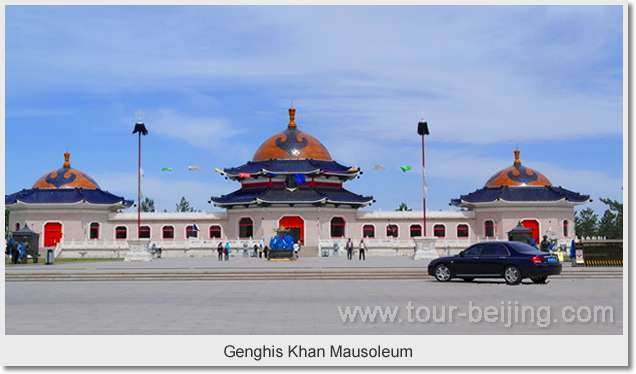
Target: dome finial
point(292, 115)
point(517, 161)
point(67, 158)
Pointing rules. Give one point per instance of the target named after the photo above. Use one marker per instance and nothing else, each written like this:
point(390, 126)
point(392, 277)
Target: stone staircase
point(247, 274)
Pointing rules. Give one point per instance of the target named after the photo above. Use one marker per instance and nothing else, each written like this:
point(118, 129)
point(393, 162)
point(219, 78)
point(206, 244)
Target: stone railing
point(194, 247)
point(375, 247)
point(170, 248)
point(394, 247)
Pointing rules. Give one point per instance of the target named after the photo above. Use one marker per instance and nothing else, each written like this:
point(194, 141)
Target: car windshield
point(525, 248)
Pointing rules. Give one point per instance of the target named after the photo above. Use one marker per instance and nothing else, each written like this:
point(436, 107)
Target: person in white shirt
point(362, 251)
point(296, 249)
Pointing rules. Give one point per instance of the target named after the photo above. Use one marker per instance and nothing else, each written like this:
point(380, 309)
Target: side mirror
point(461, 254)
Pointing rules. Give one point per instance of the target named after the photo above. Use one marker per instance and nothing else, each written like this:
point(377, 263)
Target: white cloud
point(360, 77)
point(201, 132)
point(165, 191)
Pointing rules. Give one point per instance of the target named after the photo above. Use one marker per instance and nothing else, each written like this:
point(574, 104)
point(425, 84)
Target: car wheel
point(540, 280)
point(468, 279)
point(442, 273)
point(512, 275)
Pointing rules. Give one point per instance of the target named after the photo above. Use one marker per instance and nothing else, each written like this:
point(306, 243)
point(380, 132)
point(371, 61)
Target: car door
point(469, 262)
point(493, 258)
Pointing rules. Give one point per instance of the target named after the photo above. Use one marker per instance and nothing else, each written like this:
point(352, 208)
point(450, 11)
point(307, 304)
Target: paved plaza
point(299, 306)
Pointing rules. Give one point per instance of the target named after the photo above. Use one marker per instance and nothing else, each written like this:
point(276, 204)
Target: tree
point(607, 226)
point(147, 205)
point(611, 224)
point(586, 223)
point(184, 206)
point(403, 208)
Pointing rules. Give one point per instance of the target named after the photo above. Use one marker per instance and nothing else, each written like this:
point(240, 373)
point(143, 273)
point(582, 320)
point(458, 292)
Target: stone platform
point(251, 268)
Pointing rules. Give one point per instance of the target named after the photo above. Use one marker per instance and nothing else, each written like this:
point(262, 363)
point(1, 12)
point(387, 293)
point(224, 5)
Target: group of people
point(260, 251)
point(15, 251)
point(361, 250)
point(224, 251)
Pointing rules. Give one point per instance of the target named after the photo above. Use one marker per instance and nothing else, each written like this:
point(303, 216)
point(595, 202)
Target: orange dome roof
point(292, 144)
point(518, 175)
point(66, 177)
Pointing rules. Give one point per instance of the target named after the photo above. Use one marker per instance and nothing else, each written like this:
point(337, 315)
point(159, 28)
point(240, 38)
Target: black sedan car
point(512, 261)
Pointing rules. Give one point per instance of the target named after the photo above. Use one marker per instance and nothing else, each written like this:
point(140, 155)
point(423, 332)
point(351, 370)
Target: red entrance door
point(534, 226)
point(52, 234)
point(296, 227)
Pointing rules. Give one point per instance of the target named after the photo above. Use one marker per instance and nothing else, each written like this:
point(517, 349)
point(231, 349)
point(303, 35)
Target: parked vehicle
point(512, 261)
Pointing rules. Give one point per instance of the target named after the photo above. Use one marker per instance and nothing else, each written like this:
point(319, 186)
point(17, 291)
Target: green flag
point(166, 169)
point(405, 168)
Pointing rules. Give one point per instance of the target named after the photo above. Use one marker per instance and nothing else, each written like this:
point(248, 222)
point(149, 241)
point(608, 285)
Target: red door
point(534, 226)
point(52, 234)
point(296, 227)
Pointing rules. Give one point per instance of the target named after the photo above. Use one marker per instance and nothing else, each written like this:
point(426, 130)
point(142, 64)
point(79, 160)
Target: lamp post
point(424, 246)
point(422, 130)
point(140, 128)
point(138, 249)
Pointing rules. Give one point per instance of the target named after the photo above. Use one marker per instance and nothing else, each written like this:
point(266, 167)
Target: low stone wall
point(92, 253)
point(115, 250)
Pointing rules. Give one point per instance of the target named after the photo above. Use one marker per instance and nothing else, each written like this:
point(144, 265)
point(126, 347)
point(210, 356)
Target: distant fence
point(601, 252)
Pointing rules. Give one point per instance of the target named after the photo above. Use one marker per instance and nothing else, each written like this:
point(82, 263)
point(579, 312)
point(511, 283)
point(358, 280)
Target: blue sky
point(215, 81)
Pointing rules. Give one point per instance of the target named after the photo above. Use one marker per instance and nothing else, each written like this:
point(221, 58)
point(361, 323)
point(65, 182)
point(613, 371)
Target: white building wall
point(317, 227)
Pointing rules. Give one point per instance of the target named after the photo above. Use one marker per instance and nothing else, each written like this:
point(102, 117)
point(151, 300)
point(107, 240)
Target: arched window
point(337, 227)
point(144, 232)
point(192, 231)
point(121, 232)
point(489, 228)
point(94, 231)
point(246, 228)
point(566, 228)
point(167, 232)
point(439, 230)
point(368, 231)
point(416, 230)
point(17, 226)
point(462, 230)
point(215, 231)
point(392, 231)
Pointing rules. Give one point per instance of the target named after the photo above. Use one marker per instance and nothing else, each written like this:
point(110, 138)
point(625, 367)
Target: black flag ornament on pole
point(140, 128)
point(422, 128)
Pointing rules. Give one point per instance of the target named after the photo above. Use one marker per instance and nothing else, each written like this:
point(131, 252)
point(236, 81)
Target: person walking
point(227, 250)
point(362, 250)
point(220, 250)
point(296, 249)
point(349, 248)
